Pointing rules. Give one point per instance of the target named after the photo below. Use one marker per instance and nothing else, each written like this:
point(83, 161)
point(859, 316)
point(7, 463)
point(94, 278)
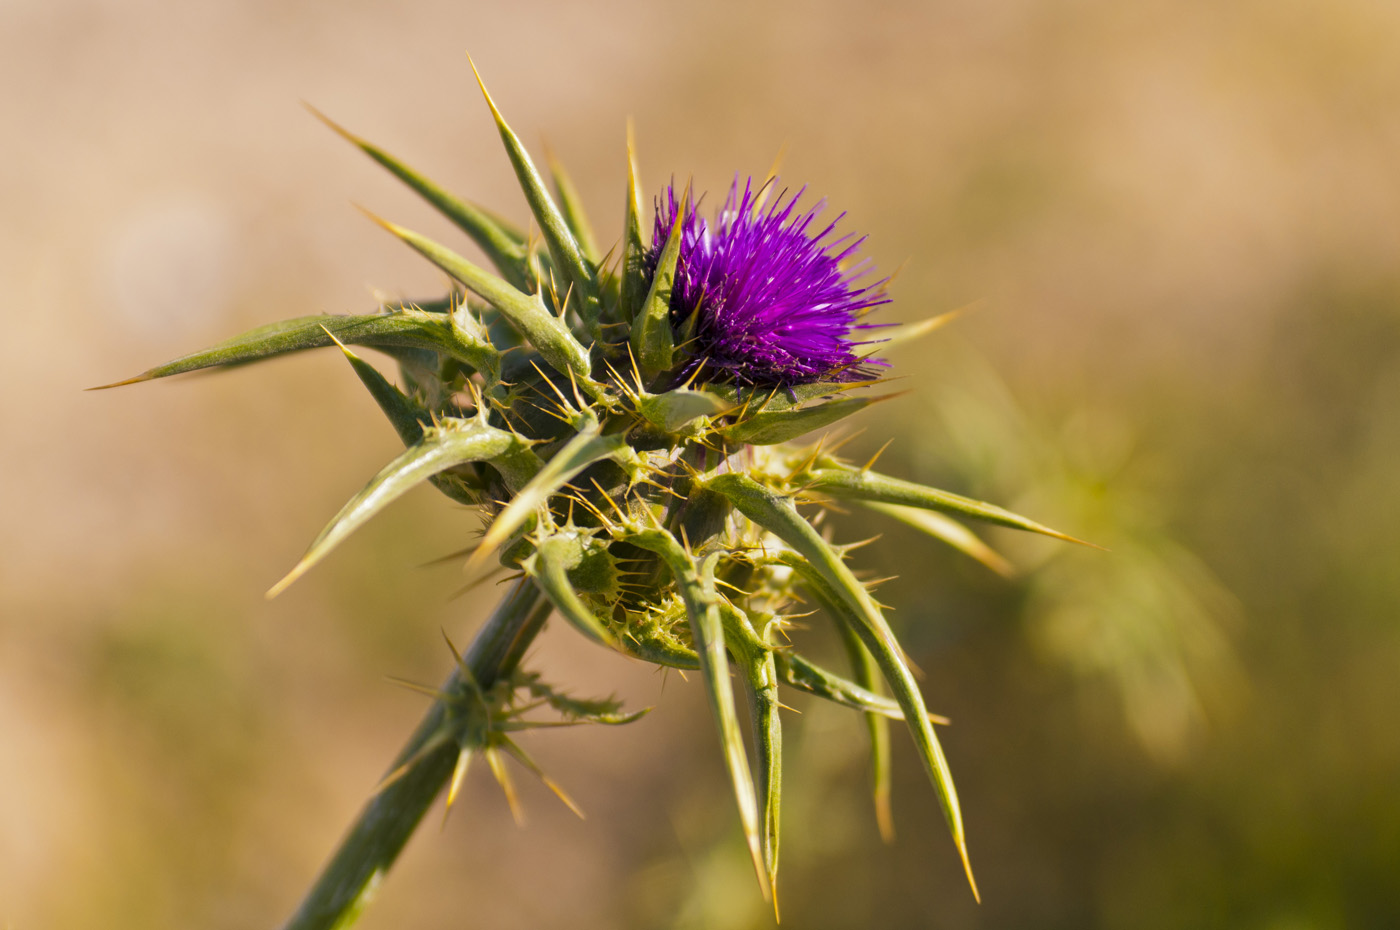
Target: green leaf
point(696, 584)
point(949, 531)
point(652, 340)
point(549, 565)
point(454, 443)
point(866, 485)
point(399, 328)
point(675, 410)
point(760, 399)
point(821, 565)
point(605, 711)
point(759, 673)
point(503, 245)
point(635, 239)
point(572, 207)
point(564, 249)
point(409, 420)
point(584, 449)
point(815, 680)
point(771, 427)
point(527, 313)
point(877, 726)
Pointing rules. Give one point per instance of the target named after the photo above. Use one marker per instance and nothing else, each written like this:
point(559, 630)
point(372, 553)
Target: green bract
point(670, 522)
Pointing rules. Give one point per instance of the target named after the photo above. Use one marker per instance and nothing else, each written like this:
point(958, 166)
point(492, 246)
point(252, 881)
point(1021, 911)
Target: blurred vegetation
point(1184, 218)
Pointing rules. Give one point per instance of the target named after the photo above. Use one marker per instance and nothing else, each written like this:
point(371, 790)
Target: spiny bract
point(625, 428)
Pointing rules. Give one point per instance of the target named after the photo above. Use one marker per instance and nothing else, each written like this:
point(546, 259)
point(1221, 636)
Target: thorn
point(459, 772)
point(348, 354)
point(874, 458)
point(884, 816)
point(622, 385)
point(524, 759)
point(568, 295)
point(493, 759)
point(967, 867)
point(573, 382)
point(636, 372)
point(136, 380)
point(608, 497)
point(433, 742)
point(457, 655)
point(287, 579)
point(435, 693)
point(335, 127)
point(602, 517)
point(846, 440)
point(482, 84)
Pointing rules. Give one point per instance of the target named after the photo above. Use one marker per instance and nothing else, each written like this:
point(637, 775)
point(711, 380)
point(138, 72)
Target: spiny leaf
point(635, 239)
point(409, 420)
point(605, 711)
point(806, 675)
point(456, 442)
point(762, 684)
point(842, 601)
point(758, 399)
point(572, 207)
point(399, 328)
point(759, 674)
point(577, 454)
point(503, 245)
point(696, 586)
point(866, 485)
point(527, 313)
point(949, 531)
point(674, 410)
point(821, 565)
point(549, 566)
point(771, 427)
point(563, 247)
point(867, 674)
point(652, 340)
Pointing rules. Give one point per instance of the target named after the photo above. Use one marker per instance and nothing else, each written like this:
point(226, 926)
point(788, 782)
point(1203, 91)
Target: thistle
point(626, 423)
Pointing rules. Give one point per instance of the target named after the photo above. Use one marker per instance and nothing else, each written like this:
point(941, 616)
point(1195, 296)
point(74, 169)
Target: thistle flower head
point(766, 294)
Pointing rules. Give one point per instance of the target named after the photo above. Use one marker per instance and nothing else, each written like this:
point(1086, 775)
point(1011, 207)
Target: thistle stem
point(369, 849)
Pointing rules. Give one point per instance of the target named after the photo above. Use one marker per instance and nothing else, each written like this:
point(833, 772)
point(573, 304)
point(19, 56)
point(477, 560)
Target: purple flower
point(761, 299)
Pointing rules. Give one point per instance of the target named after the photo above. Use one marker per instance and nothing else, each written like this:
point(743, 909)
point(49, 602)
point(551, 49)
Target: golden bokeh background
point(1181, 226)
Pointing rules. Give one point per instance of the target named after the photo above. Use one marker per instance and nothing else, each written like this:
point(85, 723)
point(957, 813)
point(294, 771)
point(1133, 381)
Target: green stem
point(375, 840)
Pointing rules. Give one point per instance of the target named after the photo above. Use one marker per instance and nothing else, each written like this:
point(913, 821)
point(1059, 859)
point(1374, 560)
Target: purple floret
point(771, 302)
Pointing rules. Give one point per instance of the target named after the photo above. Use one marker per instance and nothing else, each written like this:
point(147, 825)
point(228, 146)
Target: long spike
point(564, 249)
point(459, 774)
point(503, 245)
point(527, 313)
point(820, 565)
point(696, 585)
point(873, 486)
point(572, 206)
point(635, 238)
point(493, 759)
point(436, 452)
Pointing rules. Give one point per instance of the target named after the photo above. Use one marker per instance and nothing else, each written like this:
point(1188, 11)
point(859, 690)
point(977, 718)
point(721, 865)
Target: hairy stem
point(378, 836)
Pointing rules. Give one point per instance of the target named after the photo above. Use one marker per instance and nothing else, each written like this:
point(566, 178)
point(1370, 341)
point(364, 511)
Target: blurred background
point(1180, 222)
